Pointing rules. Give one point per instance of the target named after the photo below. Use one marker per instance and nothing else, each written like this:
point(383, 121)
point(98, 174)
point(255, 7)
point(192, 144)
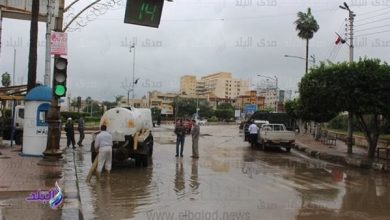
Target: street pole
point(133, 46)
point(13, 69)
point(351, 16)
point(350, 115)
point(46, 78)
point(52, 151)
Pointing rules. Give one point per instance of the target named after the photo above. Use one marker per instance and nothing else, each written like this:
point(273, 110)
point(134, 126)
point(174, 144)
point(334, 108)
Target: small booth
point(35, 128)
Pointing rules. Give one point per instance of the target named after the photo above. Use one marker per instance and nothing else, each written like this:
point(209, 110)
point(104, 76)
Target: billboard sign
point(59, 43)
point(250, 109)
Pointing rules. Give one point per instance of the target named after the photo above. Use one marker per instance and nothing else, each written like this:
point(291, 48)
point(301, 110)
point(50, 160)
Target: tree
point(6, 79)
point(306, 26)
point(32, 59)
point(362, 88)
point(225, 105)
point(224, 114)
point(118, 98)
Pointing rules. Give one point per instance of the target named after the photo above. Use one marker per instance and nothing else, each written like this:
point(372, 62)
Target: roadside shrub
point(213, 119)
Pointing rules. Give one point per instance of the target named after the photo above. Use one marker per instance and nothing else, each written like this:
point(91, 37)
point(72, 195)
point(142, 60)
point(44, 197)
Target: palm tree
point(6, 79)
point(306, 27)
point(32, 59)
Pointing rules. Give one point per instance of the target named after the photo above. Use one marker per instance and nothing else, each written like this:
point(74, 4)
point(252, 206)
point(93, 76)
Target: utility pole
point(52, 151)
point(133, 47)
point(46, 78)
point(14, 68)
point(351, 17)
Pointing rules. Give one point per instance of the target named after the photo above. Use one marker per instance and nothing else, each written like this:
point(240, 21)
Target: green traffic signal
point(59, 77)
point(59, 90)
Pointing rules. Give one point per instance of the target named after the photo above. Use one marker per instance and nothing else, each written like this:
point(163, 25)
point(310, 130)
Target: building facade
point(250, 98)
point(188, 85)
point(271, 98)
point(221, 85)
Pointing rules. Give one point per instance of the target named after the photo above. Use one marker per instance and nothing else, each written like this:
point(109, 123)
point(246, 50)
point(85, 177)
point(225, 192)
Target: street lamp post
point(351, 16)
point(313, 59)
point(133, 47)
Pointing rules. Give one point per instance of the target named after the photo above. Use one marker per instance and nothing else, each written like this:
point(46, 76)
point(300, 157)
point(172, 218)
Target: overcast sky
point(199, 37)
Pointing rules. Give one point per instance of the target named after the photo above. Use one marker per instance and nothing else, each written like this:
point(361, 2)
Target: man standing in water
point(180, 132)
point(253, 130)
point(103, 145)
point(195, 139)
point(81, 131)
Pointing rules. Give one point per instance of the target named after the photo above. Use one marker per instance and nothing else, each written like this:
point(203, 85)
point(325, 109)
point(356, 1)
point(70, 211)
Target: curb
point(72, 203)
point(344, 160)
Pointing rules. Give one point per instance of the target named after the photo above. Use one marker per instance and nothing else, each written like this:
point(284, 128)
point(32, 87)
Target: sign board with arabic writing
point(21, 9)
point(59, 45)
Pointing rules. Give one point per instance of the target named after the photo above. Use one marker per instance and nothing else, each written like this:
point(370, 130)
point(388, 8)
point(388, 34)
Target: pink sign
point(59, 43)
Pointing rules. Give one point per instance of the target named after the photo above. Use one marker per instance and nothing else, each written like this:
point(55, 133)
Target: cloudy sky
point(199, 37)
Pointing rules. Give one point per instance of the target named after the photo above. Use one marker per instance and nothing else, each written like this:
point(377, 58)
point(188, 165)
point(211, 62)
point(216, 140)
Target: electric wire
point(367, 34)
point(367, 18)
point(370, 28)
point(372, 22)
point(370, 12)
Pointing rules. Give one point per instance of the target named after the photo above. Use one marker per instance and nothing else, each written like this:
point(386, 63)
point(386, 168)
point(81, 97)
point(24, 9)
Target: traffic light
point(144, 12)
point(59, 82)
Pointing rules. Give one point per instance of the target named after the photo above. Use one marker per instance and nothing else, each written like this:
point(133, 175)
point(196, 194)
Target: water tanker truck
point(131, 130)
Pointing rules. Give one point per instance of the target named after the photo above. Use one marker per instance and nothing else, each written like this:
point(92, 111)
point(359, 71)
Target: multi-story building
point(222, 85)
point(164, 101)
point(250, 98)
point(285, 95)
point(137, 103)
point(271, 98)
point(188, 85)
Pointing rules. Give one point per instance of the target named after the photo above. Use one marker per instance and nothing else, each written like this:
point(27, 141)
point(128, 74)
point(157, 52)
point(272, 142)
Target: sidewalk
point(22, 175)
point(338, 153)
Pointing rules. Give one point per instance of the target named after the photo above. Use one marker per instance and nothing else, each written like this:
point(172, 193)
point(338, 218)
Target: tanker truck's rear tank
point(131, 131)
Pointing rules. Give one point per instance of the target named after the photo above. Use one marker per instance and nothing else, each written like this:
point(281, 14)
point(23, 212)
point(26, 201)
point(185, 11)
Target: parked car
point(275, 135)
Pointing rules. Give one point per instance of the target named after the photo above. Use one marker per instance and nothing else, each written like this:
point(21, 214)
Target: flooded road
point(231, 181)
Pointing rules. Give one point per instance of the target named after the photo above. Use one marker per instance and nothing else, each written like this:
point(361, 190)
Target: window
point(42, 114)
point(21, 113)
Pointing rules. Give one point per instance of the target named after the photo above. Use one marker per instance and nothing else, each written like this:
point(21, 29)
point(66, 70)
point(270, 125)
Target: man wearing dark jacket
point(180, 132)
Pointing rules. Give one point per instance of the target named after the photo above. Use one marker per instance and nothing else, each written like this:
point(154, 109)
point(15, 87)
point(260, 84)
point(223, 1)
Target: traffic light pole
point(52, 151)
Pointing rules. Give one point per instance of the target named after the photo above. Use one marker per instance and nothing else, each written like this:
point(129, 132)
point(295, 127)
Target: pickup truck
point(246, 125)
point(275, 135)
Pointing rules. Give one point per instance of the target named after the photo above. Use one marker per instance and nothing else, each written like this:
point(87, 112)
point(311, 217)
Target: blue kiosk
point(35, 127)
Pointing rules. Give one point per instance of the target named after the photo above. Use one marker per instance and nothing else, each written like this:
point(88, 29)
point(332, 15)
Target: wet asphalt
point(230, 180)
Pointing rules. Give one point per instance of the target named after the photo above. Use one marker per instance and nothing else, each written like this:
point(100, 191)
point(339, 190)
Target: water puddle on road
point(233, 181)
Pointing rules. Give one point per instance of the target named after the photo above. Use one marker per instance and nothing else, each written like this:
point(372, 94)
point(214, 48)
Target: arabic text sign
point(59, 45)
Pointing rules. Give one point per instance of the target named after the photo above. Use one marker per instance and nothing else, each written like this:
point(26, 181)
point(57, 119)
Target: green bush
point(213, 119)
point(92, 119)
